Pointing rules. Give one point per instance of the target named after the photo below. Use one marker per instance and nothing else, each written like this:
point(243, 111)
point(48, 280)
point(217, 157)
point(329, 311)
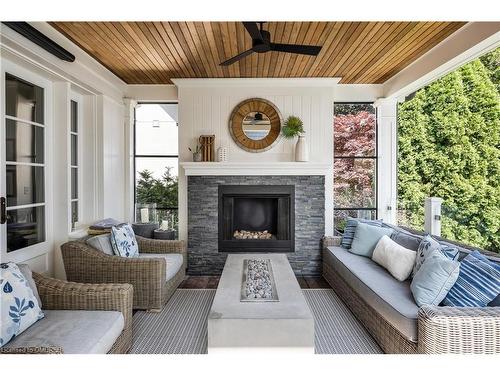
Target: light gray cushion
point(410, 241)
point(28, 275)
point(366, 238)
point(76, 331)
point(102, 243)
point(174, 262)
point(434, 279)
point(390, 298)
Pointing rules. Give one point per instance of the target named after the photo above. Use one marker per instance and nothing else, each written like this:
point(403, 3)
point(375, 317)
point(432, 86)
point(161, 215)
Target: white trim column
point(61, 154)
point(129, 105)
point(387, 159)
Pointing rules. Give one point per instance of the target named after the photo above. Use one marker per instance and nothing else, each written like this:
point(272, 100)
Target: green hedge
point(449, 147)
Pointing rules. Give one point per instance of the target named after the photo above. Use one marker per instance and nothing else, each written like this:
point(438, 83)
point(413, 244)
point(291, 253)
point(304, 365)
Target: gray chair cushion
point(410, 241)
point(389, 297)
point(75, 331)
point(174, 262)
point(26, 271)
point(102, 243)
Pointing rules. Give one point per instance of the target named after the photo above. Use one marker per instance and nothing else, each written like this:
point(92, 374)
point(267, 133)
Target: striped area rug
point(181, 327)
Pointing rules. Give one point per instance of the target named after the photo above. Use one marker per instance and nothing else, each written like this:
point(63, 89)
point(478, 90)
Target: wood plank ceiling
point(155, 52)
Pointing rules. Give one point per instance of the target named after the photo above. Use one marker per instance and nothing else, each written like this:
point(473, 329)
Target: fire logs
point(252, 235)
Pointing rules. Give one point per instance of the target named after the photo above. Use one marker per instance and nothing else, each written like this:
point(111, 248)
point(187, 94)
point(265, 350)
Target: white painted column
point(387, 159)
point(61, 176)
point(432, 221)
point(129, 119)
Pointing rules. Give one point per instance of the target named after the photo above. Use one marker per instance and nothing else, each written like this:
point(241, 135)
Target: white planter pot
point(301, 149)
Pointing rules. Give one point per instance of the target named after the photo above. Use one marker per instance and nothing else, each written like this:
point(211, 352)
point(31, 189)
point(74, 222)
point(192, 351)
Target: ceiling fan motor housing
point(264, 45)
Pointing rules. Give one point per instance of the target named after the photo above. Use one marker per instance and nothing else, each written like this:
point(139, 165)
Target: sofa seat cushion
point(389, 297)
point(174, 262)
point(75, 331)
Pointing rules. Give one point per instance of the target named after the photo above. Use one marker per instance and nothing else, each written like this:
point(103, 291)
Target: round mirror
point(256, 126)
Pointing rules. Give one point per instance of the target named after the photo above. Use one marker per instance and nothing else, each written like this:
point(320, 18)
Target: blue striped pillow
point(350, 229)
point(478, 282)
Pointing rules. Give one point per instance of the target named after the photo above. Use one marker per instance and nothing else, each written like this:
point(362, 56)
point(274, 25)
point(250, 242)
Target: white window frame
point(36, 250)
point(75, 97)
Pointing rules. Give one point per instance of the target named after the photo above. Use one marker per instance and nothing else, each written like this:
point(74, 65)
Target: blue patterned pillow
point(123, 241)
point(19, 307)
point(350, 229)
point(427, 246)
point(478, 282)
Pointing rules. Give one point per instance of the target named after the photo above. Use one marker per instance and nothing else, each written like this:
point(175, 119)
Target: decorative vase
point(222, 154)
point(197, 156)
point(301, 149)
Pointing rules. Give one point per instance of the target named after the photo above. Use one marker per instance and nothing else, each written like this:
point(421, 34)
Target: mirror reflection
point(256, 125)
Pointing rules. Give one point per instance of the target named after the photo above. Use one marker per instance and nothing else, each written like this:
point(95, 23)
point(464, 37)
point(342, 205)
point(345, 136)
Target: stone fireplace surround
point(204, 257)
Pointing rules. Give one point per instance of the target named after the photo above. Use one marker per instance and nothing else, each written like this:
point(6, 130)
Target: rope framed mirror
point(255, 125)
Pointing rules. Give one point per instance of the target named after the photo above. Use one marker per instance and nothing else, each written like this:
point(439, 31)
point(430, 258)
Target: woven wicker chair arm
point(459, 330)
point(147, 245)
point(64, 295)
point(331, 241)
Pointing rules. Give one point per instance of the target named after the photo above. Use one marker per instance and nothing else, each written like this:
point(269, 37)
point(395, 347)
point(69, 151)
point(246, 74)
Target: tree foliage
point(449, 147)
point(162, 191)
point(355, 135)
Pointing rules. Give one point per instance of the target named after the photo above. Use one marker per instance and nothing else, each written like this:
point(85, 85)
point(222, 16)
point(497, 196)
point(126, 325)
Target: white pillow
point(396, 259)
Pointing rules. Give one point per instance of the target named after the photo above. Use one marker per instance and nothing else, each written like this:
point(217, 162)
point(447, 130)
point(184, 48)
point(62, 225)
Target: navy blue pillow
point(350, 229)
point(478, 282)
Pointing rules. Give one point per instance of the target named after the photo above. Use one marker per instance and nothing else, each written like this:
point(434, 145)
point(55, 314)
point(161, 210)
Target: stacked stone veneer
point(203, 254)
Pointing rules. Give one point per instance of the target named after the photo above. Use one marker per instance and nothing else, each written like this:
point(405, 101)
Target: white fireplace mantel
point(255, 169)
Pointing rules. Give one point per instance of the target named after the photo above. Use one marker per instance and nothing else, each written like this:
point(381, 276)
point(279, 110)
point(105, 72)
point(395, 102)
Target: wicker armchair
point(85, 264)
point(62, 295)
point(450, 330)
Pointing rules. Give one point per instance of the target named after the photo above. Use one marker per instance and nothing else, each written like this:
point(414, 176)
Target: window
point(156, 163)
point(24, 163)
point(74, 169)
point(355, 162)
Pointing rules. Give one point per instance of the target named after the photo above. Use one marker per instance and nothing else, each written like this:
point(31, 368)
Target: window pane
point(25, 227)
point(354, 130)
point(74, 213)
point(74, 183)
point(157, 166)
point(156, 131)
point(74, 150)
point(354, 183)
point(74, 116)
point(341, 216)
point(23, 100)
point(25, 185)
point(24, 142)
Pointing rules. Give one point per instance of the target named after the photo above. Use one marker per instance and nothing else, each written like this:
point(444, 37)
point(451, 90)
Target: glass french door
point(23, 201)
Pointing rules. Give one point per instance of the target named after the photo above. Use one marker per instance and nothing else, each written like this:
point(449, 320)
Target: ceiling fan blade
point(232, 60)
point(296, 48)
point(253, 30)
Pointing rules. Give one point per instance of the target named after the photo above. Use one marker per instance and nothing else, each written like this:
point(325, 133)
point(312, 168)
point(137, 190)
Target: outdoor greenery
point(162, 191)
point(449, 147)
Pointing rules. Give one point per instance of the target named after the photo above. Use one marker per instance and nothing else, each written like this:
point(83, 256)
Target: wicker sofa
point(153, 283)
point(386, 308)
point(79, 319)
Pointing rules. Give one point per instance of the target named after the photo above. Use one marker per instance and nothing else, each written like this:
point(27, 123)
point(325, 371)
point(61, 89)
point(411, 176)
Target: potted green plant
point(294, 127)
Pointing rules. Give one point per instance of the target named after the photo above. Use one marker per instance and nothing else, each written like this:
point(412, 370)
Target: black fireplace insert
point(256, 218)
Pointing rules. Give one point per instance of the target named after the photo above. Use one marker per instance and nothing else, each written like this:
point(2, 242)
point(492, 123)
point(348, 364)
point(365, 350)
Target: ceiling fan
point(261, 42)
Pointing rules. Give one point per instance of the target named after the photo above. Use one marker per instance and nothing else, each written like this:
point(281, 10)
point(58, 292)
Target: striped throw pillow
point(350, 229)
point(478, 282)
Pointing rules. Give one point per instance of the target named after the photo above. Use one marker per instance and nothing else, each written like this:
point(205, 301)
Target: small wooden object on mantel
point(207, 143)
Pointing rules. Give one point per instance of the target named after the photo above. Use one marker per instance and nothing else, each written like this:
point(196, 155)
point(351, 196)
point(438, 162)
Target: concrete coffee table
point(286, 324)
